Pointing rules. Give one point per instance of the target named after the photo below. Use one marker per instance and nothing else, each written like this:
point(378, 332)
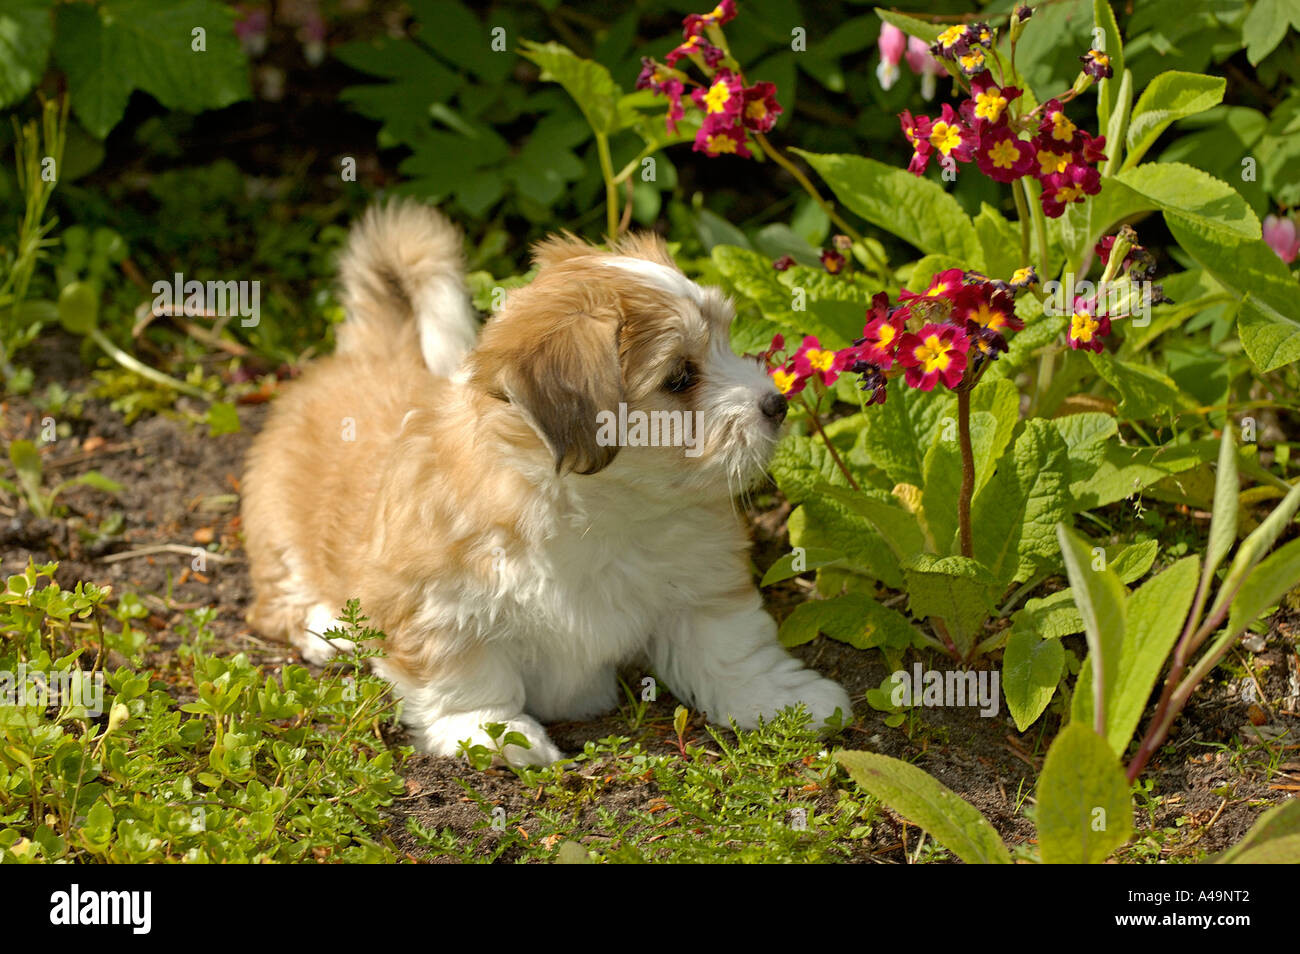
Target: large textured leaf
point(26, 32)
point(915, 209)
point(1015, 515)
point(800, 464)
point(1274, 839)
point(943, 473)
point(834, 525)
point(899, 432)
point(1190, 192)
point(117, 46)
point(1031, 669)
point(899, 528)
point(1101, 600)
point(1105, 470)
point(1145, 393)
point(1169, 97)
point(956, 589)
point(588, 82)
point(852, 618)
point(1248, 267)
point(1084, 806)
point(926, 802)
point(1155, 614)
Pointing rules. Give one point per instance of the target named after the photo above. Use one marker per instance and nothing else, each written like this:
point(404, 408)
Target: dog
point(471, 490)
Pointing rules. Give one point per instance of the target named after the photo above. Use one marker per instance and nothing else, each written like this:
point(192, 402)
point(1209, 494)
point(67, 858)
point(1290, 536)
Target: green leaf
point(1145, 393)
point(1084, 806)
point(800, 464)
point(1266, 25)
point(1101, 600)
point(1223, 519)
point(1273, 839)
point(78, 307)
point(915, 209)
point(1171, 96)
point(1014, 516)
point(110, 49)
point(943, 474)
point(1031, 669)
point(1276, 575)
point(1270, 338)
point(1155, 616)
point(807, 558)
point(590, 84)
point(921, 29)
point(1000, 241)
point(27, 462)
point(222, 418)
point(957, 589)
point(1051, 617)
point(1254, 547)
point(1113, 471)
point(26, 33)
point(1188, 191)
point(852, 618)
point(926, 802)
point(899, 431)
point(899, 528)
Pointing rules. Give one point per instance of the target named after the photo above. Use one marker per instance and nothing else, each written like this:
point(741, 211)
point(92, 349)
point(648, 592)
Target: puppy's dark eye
point(683, 376)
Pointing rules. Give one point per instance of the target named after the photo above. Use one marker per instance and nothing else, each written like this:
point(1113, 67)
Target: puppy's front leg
point(447, 703)
point(724, 658)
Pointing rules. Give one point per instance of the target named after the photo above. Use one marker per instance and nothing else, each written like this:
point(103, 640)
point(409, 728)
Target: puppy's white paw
point(767, 696)
point(313, 645)
point(444, 737)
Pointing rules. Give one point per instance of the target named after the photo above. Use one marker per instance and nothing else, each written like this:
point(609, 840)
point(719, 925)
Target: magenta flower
point(922, 62)
point(892, 43)
point(1282, 237)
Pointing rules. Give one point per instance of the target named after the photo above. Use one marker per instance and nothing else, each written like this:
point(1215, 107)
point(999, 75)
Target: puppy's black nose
point(774, 407)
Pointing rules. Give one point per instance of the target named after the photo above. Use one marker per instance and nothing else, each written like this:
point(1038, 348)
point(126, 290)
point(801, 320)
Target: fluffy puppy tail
point(402, 273)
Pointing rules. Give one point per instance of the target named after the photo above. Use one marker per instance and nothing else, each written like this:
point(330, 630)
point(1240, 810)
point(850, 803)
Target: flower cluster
point(1044, 144)
point(967, 46)
point(1124, 288)
point(946, 333)
point(731, 108)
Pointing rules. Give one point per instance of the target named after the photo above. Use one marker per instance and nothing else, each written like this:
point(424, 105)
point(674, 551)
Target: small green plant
point(29, 485)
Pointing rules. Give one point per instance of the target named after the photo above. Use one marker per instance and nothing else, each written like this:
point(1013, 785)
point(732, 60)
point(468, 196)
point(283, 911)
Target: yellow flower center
point(1100, 58)
point(949, 37)
point(885, 334)
point(933, 354)
point(1050, 162)
point(989, 105)
point(718, 143)
point(988, 317)
point(756, 109)
point(1083, 327)
point(937, 290)
point(1021, 276)
point(1062, 128)
point(819, 359)
point(1004, 154)
point(945, 137)
point(716, 99)
point(784, 380)
point(1067, 194)
point(972, 60)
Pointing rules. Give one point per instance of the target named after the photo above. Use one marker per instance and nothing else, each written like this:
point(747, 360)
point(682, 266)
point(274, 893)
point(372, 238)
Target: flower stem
point(611, 189)
point(835, 455)
point(967, 474)
point(1022, 213)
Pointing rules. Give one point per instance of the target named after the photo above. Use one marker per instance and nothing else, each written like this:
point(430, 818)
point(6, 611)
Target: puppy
point(514, 539)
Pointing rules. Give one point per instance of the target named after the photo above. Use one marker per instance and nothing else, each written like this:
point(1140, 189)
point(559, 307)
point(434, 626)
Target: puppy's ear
point(561, 381)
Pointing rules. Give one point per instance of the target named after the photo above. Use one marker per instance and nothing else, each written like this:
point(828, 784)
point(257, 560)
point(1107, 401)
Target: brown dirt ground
point(180, 487)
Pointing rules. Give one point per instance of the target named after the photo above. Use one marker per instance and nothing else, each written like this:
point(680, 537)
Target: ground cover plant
point(1025, 274)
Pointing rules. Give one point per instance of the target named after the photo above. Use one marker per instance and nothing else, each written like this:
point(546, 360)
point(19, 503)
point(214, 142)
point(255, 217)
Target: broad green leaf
point(956, 589)
point(834, 525)
point(1111, 470)
point(800, 464)
point(1273, 839)
point(852, 618)
point(1050, 617)
point(1014, 516)
point(800, 561)
point(1170, 96)
point(588, 82)
point(26, 32)
point(926, 802)
point(1031, 669)
point(1266, 25)
point(752, 276)
point(1084, 805)
point(1270, 338)
point(1276, 575)
point(1100, 597)
point(899, 528)
point(915, 209)
point(921, 29)
point(27, 462)
point(112, 48)
point(1000, 398)
point(1155, 615)
point(1145, 393)
point(93, 478)
point(899, 432)
point(1174, 187)
point(1132, 562)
